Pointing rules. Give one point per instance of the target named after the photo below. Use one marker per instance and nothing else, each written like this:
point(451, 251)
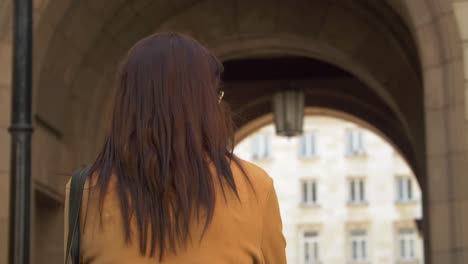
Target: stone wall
point(5, 108)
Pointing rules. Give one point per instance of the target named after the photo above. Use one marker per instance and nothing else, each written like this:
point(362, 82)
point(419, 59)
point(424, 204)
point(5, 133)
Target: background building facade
point(346, 196)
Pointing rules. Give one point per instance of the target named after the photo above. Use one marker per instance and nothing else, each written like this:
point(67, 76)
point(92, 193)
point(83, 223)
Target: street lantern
point(288, 107)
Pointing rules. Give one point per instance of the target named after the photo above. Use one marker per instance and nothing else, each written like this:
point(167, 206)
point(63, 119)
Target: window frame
point(355, 142)
point(409, 238)
point(358, 243)
point(357, 191)
point(308, 145)
point(404, 189)
point(261, 147)
point(309, 192)
point(313, 250)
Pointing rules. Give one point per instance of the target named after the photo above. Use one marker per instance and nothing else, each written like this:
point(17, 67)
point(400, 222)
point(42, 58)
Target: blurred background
point(374, 173)
point(341, 186)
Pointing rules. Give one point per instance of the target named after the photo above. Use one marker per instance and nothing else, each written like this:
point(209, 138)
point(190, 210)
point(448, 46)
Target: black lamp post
point(21, 130)
point(288, 106)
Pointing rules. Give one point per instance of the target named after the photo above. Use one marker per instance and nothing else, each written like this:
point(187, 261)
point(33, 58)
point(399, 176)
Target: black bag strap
point(76, 193)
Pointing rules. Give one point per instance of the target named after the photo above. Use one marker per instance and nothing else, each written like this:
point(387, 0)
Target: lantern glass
point(288, 109)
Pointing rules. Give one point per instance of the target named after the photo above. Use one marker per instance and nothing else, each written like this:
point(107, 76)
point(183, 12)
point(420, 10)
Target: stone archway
point(253, 125)
point(435, 29)
point(91, 73)
point(78, 45)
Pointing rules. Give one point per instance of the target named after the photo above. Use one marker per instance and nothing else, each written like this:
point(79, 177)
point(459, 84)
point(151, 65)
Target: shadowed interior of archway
point(326, 86)
point(368, 41)
point(82, 44)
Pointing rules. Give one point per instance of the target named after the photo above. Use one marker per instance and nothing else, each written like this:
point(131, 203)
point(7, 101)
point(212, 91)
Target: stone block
point(434, 96)
point(344, 30)
point(436, 130)
point(219, 21)
point(105, 8)
point(458, 164)
point(88, 77)
point(50, 160)
point(6, 59)
point(387, 67)
point(6, 20)
point(55, 11)
point(56, 75)
point(429, 45)
point(461, 14)
point(65, 61)
point(441, 6)
point(461, 223)
point(3, 240)
point(81, 27)
point(5, 106)
point(120, 19)
point(461, 256)
point(466, 100)
point(400, 8)
point(302, 17)
point(257, 16)
point(441, 228)
point(38, 7)
point(130, 34)
point(456, 129)
point(47, 232)
point(444, 257)
point(450, 37)
point(4, 149)
point(4, 194)
point(465, 58)
point(454, 82)
point(42, 35)
point(419, 11)
point(437, 178)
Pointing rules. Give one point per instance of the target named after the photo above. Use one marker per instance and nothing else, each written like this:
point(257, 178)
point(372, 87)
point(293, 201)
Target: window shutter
point(314, 192)
point(304, 192)
point(361, 190)
point(410, 190)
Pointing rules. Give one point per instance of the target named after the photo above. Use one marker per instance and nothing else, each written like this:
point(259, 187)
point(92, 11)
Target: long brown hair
point(167, 127)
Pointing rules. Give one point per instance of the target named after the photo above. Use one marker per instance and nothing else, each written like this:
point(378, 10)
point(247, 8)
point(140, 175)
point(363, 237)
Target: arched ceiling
point(87, 39)
point(325, 87)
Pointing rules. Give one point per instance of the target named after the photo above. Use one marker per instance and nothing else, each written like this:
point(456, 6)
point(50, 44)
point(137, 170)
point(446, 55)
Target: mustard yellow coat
point(245, 231)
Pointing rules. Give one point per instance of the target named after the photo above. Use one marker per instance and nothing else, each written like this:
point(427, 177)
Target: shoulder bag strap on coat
point(76, 193)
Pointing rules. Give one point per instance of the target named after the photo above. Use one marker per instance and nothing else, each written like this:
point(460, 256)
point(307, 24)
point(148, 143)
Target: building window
point(308, 146)
point(311, 248)
point(404, 189)
point(407, 245)
point(357, 190)
point(309, 192)
point(358, 246)
point(355, 143)
point(261, 147)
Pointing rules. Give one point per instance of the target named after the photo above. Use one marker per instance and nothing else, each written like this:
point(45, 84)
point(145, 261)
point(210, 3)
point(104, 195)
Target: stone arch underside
point(90, 40)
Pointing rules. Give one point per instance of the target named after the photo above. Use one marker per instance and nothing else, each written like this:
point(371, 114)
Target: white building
point(345, 195)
